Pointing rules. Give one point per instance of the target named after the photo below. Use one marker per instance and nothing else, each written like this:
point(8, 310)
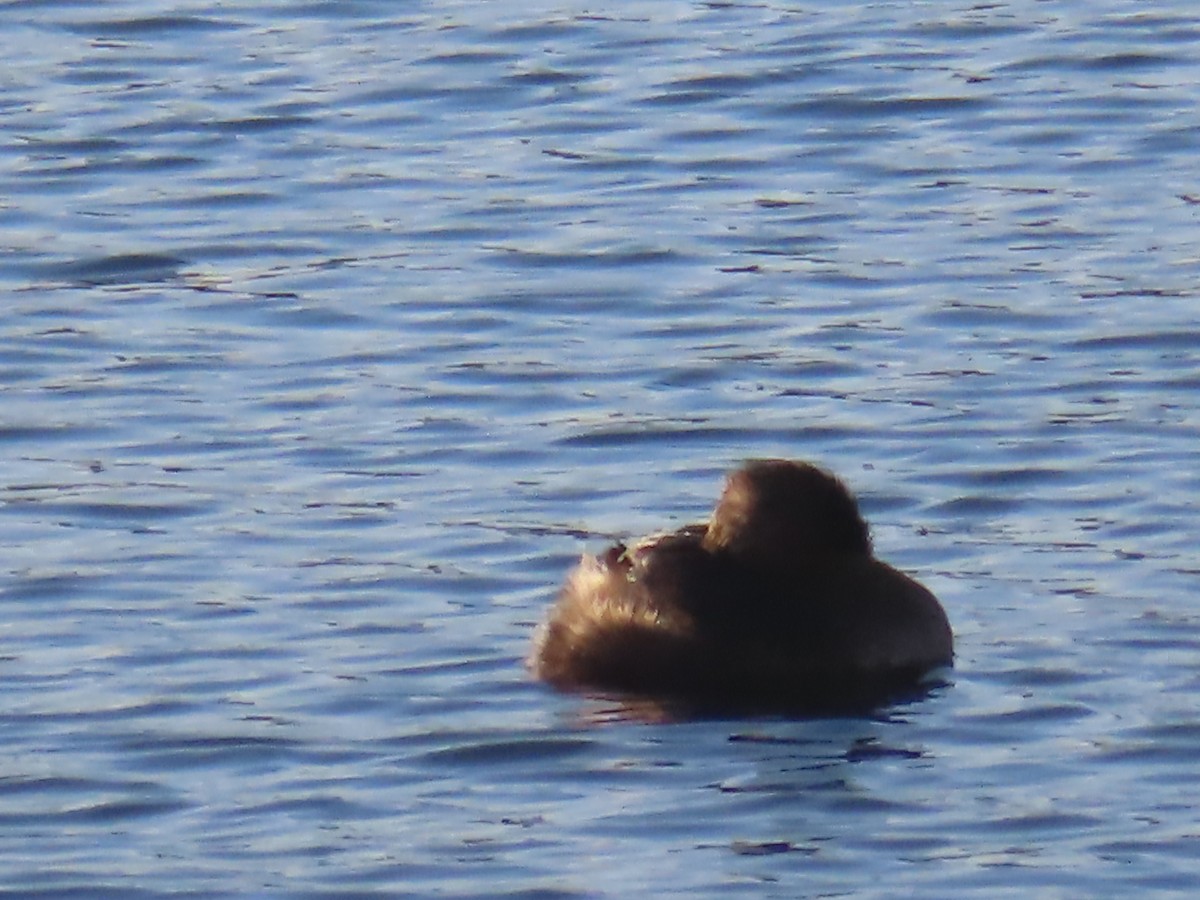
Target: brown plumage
point(777, 602)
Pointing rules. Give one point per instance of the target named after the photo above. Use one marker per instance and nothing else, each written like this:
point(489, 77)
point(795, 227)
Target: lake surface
point(333, 333)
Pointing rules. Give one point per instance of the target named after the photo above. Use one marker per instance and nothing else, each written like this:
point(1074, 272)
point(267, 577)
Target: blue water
point(332, 333)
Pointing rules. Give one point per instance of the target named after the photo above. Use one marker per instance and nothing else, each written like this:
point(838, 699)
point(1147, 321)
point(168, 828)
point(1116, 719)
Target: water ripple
point(333, 337)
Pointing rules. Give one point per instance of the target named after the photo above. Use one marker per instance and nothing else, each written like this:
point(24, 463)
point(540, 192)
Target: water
point(333, 333)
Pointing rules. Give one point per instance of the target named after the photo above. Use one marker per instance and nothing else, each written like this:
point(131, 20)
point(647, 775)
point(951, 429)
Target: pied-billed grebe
point(776, 602)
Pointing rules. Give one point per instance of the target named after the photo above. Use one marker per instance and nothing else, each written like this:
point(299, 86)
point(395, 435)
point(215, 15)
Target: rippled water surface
point(333, 332)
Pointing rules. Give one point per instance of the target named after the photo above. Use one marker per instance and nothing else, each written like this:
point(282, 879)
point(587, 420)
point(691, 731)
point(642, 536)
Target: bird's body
point(776, 602)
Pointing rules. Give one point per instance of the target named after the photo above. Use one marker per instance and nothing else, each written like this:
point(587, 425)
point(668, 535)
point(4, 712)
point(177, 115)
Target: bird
point(777, 602)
